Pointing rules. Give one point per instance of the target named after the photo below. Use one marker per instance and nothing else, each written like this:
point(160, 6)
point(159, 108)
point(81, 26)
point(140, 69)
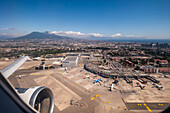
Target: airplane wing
point(7, 71)
point(10, 100)
point(22, 100)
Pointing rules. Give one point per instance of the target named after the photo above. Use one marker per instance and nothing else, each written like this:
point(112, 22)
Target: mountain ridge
point(41, 35)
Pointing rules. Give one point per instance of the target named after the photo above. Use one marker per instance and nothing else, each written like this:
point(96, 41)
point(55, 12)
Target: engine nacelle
point(40, 98)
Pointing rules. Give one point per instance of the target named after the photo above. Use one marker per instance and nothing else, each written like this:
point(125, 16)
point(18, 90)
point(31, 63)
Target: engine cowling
point(40, 98)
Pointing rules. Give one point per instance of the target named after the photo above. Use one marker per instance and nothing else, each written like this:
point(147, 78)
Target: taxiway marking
point(94, 97)
point(147, 108)
point(160, 104)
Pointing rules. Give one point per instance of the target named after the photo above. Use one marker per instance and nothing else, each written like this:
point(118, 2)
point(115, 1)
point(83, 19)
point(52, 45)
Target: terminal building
point(70, 61)
point(77, 54)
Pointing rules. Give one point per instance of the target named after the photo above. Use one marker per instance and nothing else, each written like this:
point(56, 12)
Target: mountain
point(5, 37)
point(42, 35)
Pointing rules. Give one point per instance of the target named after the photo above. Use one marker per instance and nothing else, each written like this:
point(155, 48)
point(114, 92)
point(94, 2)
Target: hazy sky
point(138, 18)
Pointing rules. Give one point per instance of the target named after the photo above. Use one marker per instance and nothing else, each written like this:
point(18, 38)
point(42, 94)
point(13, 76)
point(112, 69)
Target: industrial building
point(149, 69)
point(70, 61)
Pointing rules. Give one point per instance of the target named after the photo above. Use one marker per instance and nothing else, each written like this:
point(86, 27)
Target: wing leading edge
point(7, 71)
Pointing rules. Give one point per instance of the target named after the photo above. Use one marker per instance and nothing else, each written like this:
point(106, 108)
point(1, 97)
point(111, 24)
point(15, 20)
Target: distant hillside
point(40, 35)
point(5, 37)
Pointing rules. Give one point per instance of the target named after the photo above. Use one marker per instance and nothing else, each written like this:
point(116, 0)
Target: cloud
point(75, 34)
point(129, 35)
point(95, 34)
point(10, 34)
point(67, 33)
point(8, 29)
point(4, 28)
point(116, 35)
point(88, 35)
point(4, 34)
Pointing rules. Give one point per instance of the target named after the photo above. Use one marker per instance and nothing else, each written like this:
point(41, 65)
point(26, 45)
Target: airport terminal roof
point(71, 59)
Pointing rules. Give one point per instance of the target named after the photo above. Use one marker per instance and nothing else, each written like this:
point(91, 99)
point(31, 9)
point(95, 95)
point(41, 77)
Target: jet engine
point(40, 98)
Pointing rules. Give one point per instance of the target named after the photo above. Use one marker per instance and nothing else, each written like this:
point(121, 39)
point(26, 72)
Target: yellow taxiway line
point(147, 108)
point(94, 97)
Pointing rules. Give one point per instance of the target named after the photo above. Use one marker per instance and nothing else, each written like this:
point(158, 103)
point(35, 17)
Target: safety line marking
point(147, 108)
point(94, 97)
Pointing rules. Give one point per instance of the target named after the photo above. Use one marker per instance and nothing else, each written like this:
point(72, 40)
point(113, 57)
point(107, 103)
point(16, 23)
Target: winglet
point(7, 71)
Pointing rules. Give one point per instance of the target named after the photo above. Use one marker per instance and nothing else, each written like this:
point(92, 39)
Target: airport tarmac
point(95, 97)
point(63, 91)
point(147, 106)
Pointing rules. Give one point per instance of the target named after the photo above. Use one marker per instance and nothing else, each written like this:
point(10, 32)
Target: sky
point(82, 18)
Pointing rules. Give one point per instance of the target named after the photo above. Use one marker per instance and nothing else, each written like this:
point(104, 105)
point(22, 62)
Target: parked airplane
point(98, 80)
point(157, 86)
point(86, 76)
point(140, 85)
point(111, 87)
point(23, 100)
point(116, 80)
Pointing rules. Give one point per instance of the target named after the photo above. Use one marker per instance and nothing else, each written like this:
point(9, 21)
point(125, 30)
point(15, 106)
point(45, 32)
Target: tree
point(157, 62)
point(143, 62)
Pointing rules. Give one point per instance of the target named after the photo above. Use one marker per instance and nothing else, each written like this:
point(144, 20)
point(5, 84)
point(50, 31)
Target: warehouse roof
point(70, 59)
